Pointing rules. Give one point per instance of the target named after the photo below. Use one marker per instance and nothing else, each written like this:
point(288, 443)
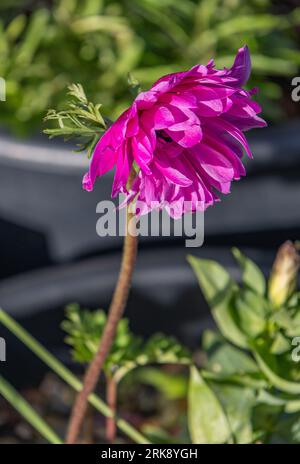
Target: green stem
point(67, 375)
point(24, 408)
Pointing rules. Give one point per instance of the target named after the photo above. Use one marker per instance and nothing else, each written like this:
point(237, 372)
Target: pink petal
point(242, 66)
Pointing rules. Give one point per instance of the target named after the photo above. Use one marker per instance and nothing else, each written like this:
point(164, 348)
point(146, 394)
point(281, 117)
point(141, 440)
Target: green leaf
point(267, 363)
point(289, 406)
point(81, 120)
point(206, 419)
point(293, 301)
point(253, 380)
point(237, 403)
point(34, 37)
point(165, 350)
point(287, 430)
point(253, 278)
point(280, 344)
point(262, 23)
point(283, 319)
point(159, 436)
point(134, 85)
point(251, 311)
point(159, 349)
point(287, 320)
point(226, 359)
point(172, 386)
point(265, 419)
point(292, 406)
point(214, 280)
point(85, 329)
point(265, 397)
point(218, 289)
point(26, 411)
point(16, 27)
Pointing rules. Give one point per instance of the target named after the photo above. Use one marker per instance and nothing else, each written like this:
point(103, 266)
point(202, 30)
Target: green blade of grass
point(65, 374)
point(26, 411)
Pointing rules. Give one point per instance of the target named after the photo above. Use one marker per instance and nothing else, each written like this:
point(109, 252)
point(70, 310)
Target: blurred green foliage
point(248, 389)
point(85, 329)
point(248, 385)
point(47, 45)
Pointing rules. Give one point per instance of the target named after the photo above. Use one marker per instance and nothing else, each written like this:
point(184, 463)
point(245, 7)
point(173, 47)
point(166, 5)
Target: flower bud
point(283, 279)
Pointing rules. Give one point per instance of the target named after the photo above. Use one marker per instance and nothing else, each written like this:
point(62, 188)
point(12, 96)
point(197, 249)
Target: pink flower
point(185, 136)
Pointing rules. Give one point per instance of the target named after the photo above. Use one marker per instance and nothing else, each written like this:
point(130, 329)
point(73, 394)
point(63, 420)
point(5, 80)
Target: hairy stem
point(111, 398)
point(115, 313)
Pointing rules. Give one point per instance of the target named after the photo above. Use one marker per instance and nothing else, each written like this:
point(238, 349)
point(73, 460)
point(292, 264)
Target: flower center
point(163, 136)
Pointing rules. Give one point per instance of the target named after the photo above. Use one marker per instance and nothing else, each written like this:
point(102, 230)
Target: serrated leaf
point(85, 329)
point(81, 120)
point(164, 349)
point(206, 419)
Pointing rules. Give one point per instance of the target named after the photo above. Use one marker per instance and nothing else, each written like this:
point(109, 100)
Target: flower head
point(185, 136)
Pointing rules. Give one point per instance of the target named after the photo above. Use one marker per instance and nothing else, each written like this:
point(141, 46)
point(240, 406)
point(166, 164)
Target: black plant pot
point(165, 297)
point(46, 218)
